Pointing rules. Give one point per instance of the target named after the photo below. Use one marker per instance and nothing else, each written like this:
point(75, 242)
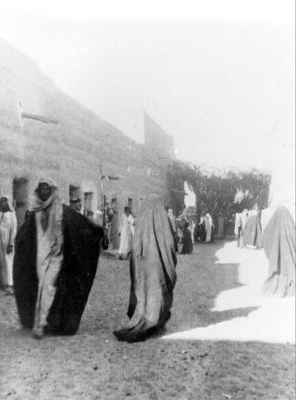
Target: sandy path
point(93, 365)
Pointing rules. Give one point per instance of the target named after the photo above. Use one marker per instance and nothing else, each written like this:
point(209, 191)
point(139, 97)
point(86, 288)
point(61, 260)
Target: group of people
point(56, 252)
point(126, 227)
point(187, 230)
point(56, 256)
point(184, 228)
point(248, 230)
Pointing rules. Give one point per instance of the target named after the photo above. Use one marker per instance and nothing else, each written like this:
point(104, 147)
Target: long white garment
point(8, 227)
point(209, 226)
point(192, 229)
point(126, 230)
point(49, 260)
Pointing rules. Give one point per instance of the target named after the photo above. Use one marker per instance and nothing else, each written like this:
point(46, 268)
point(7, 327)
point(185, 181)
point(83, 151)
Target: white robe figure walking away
point(126, 232)
point(8, 227)
point(209, 227)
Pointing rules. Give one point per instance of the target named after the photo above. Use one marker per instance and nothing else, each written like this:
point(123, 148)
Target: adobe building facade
point(45, 133)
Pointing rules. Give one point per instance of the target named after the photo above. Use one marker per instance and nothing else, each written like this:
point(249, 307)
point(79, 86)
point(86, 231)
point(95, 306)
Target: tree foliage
point(218, 193)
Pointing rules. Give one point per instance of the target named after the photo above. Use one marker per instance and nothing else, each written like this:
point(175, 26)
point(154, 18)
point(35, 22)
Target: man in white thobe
point(8, 227)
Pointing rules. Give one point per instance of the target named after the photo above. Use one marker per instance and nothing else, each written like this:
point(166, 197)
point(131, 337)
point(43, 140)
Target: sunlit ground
point(274, 319)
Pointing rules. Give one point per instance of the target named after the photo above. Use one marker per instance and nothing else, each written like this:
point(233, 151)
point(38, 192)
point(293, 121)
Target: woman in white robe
point(209, 227)
point(126, 232)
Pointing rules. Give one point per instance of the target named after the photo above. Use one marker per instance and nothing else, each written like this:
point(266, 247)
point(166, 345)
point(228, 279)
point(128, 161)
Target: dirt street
point(216, 361)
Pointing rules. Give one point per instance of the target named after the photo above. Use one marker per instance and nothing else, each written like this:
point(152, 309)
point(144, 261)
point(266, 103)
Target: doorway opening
point(74, 192)
point(88, 204)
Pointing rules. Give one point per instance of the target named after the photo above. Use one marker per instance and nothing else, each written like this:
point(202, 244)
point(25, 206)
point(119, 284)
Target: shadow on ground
point(200, 280)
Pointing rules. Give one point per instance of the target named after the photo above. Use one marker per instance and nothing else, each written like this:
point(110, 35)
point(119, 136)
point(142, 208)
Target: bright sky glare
point(217, 75)
point(252, 10)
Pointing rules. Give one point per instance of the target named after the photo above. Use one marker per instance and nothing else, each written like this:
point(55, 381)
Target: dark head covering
point(153, 272)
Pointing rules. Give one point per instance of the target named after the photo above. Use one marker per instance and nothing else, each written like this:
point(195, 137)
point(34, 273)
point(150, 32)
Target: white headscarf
point(56, 210)
point(9, 203)
point(38, 204)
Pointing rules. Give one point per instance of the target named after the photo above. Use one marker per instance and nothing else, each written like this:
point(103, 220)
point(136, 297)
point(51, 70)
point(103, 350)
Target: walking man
point(56, 257)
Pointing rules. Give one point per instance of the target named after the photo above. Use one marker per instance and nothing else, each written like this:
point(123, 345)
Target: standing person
point(192, 229)
point(242, 228)
point(126, 232)
point(236, 227)
point(56, 257)
point(75, 204)
point(202, 227)
point(187, 240)
point(209, 226)
point(109, 213)
point(153, 274)
point(253, 230)
point(8, 227)
point(179, 223)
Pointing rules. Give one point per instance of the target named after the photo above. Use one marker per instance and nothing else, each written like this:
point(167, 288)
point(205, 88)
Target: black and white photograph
point(147, 200)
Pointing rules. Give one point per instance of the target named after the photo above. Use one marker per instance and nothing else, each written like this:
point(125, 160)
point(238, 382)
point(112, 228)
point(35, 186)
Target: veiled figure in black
point(56, 257)
point(153, 273)
point(187, 247)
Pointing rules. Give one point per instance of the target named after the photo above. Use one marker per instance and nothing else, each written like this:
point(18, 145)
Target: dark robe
point(187, 242)
point(82, 240)
point(253, 232)
point(279, 246)
point(153, 273)
point(202, 232)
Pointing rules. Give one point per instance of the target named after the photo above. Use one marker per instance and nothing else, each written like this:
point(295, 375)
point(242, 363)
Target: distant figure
point(279, 247)
point(8, 227)
point(126, 232)
point(202, 228)
point(209, 226)
point(242, 222)
point(75, 204)
point(153, 274)
point(253, 230)
point(236, 227)
point(56, 257)
point(109, 213)
point(187, 240)
point(180, 222)
point(192, 229)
